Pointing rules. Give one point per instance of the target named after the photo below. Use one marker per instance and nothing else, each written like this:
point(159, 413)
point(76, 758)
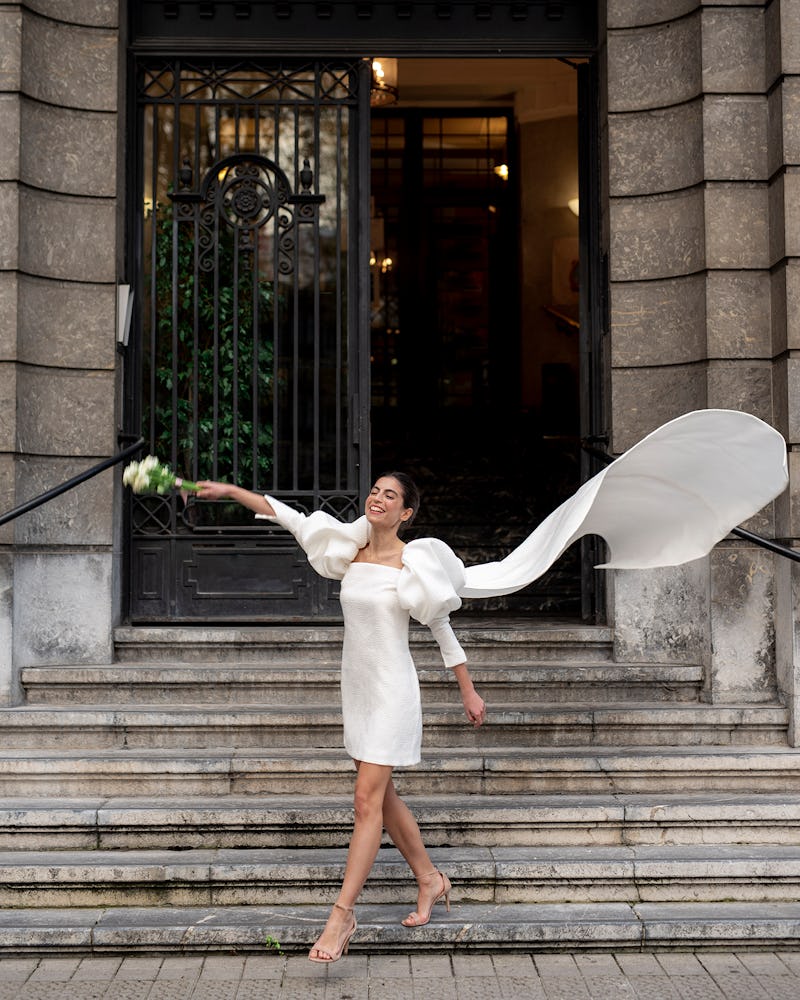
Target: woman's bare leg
point(399, 822)
point(370, 792)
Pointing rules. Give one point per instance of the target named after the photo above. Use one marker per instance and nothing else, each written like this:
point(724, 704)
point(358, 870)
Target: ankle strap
point(347, 909)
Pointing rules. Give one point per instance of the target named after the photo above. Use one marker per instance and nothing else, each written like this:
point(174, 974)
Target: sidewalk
point(624, 976)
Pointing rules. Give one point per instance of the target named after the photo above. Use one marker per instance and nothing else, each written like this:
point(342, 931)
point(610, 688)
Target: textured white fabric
point(330, 545)
point(380, 690)
point(667, 500)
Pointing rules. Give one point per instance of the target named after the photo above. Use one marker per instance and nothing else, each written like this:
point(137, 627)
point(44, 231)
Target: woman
point(667, 500)
point(383, 581)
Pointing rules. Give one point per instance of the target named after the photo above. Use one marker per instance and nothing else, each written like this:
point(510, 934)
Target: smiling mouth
point(376, 510)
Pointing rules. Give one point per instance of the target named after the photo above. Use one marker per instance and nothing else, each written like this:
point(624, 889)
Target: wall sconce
point(502, 171)
point(574, 206)
point(384, 83)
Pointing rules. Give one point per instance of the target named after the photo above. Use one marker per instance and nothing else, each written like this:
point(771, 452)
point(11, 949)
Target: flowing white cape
point(667, 500)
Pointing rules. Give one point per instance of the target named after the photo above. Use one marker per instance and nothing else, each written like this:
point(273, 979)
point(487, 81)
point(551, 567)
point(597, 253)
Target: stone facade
point(701, 138)
point(702, 208)
point(59, 66)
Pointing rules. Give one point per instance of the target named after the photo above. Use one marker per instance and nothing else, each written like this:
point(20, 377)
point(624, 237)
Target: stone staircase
point(194, 795)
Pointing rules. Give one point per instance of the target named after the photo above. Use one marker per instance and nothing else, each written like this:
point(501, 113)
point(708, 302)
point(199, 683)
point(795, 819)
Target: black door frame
point(567, 30)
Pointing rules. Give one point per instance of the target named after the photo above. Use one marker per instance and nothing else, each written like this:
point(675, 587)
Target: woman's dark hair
point(410, 493)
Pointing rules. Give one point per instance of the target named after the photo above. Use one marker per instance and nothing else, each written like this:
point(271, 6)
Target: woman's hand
point(213, 491)
point(475, 707)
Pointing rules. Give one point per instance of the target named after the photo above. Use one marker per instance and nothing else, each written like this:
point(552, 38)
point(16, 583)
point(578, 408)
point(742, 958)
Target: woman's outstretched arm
point(210, 490)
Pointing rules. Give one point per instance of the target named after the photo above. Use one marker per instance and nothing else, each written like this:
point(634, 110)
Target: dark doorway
point(474, 309)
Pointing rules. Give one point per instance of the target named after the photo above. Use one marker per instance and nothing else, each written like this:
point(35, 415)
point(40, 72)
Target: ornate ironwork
point(248, 353)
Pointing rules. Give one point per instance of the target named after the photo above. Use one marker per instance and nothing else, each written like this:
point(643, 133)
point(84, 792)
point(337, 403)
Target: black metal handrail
point(56, 491)
point(750, 536)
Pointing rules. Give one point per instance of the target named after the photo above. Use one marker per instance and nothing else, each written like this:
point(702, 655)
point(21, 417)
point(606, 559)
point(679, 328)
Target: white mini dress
point(381, 708)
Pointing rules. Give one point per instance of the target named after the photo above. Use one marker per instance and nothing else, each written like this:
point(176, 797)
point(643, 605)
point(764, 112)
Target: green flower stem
point(186, 484)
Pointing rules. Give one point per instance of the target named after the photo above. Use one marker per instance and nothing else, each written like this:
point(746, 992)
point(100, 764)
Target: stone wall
point(59, 70)
point(699, 272)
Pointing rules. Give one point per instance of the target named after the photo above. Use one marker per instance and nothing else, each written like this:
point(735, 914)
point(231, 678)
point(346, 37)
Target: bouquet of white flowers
point(150, 476)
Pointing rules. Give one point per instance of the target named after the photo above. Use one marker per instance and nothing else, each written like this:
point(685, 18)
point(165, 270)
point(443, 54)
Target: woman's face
point(385, 505)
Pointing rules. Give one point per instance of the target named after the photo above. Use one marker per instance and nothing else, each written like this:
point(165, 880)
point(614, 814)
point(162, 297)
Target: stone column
point(783, 78)
point(57, 327)
point(690, 304)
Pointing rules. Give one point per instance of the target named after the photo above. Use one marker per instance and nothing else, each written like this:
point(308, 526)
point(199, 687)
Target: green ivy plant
point(186, 376)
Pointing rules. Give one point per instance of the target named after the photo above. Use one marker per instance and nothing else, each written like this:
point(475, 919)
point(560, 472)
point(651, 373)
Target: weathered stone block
point(9, 293)
point(94, 13)
point(68, 321)
point(787, 642)
point(67, 237)
point(62, 412)
point(789, 122)
point(786, 322)
point(658, 237)
point(644, 398)
point(658, 322)
point(8, 494)
point(10, 49)
point(9, 130)
point(660, 615)
point(787, 505)
point(735, 137)
point(784, 27)
point(69, 66)
point(772, 44)
point(8, 405)
point(62, 608)
point(70, 151)
point(654, 67)
point(738, 314)
point(10, 690)
point(654, 151)
point(777, 220)
point(9, 225)
point(784, 215)
point(786, 392)
point(81, 516)
point(733, 44)
point(741, 385)
point(774, 130)
point(791, 208)
point(742, 624)
point(633, 13)
point(737, 228)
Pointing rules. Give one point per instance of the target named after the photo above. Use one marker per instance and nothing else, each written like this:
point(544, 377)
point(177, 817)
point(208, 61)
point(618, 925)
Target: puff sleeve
point(428, 587)
point(331, 545)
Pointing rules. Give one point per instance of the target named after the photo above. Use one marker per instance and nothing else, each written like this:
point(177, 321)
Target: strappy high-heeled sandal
point(344, 944)
point(417, 919)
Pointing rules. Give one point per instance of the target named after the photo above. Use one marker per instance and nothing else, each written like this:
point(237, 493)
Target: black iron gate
point(250, 362)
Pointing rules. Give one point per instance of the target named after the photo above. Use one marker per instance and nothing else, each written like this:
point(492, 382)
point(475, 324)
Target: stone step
point(445, 821)
point(484, 642)
point(491, 771)
point(468, 927)
point(273, 877)
point(298, 683)
point(265, 726)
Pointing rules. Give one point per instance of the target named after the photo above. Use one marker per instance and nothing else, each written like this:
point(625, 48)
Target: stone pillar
point(58, 252)
point(690, 304)
point(783, 77)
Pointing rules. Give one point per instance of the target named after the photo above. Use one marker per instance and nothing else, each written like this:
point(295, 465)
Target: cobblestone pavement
point(668, 976)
